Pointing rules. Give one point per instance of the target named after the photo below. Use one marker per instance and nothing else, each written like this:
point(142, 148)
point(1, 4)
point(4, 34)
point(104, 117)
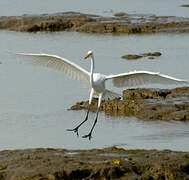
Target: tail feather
point(111, 95)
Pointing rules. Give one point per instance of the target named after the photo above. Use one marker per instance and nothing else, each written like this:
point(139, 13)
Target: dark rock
point(79, 106)
point(134, 56)
point(51, 164)
point(147, 104)
point(151, 57)
point(120, 14)
point(151, 54)
point(185, 5)
point(131, 57)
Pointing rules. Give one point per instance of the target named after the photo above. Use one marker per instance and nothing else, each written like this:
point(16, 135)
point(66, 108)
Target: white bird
point(97, 81)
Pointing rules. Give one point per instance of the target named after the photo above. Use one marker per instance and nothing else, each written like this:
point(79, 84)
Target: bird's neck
point(92, 70)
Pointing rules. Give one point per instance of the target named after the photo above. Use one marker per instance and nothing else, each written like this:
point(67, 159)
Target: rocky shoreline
point(112, 162)
point(108, 163)
point(88, 23)
point(146, 104)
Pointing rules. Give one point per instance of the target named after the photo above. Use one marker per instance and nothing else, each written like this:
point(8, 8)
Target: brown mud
point(108, 163)
point(74, 21)
point(146, 104)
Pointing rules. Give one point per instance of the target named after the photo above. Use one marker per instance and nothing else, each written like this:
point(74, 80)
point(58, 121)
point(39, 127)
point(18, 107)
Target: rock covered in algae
point(135, 56)
point(146, 104)
point(75, 21)
point(108, 163)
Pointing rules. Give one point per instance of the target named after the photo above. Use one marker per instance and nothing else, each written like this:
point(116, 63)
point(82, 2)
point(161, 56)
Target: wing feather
point(137, 78)
point(58, 63)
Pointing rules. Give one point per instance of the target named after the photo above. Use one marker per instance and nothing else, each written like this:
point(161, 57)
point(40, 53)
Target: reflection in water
point(34, 100)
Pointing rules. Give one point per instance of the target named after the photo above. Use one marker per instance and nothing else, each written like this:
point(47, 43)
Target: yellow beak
point(88, 55)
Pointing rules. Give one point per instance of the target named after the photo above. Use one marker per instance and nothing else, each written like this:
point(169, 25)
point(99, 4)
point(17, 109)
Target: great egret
point(97, 81)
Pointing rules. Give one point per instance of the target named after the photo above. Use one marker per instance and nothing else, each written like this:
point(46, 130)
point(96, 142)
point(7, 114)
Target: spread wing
point(58, 63)
point(137, 78)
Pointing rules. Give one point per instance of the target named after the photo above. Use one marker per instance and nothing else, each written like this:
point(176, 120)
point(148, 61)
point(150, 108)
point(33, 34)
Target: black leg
point(76, 128)
point(90, 133)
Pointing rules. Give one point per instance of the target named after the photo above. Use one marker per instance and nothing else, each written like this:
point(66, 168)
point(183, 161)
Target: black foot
point(87, 136)
point(75, 130)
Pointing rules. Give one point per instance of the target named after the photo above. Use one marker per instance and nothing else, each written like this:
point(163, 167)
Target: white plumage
point(58, 63)
point(97, 80)
point(137, 78)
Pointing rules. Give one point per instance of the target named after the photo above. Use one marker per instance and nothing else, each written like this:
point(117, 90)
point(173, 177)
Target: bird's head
point(89, 54)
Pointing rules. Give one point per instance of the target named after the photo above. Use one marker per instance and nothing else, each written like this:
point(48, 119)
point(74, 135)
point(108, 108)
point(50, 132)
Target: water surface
point(101, 7)
point(34, 100)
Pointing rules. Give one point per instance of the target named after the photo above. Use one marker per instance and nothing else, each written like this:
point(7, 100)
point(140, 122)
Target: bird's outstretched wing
point(136, 78)
point(53, 61)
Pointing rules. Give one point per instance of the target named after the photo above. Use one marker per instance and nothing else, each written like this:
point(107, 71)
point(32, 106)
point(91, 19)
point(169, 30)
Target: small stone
point(185, 5)
point(151, 57)
point(156, 54)
point(132, 57)
point(120, 14)
point(151, 54)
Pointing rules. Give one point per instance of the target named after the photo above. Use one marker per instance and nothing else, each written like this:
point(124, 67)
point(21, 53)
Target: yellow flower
point(115, 162)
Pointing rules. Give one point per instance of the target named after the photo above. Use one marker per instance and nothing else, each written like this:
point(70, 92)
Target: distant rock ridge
point(75, 21)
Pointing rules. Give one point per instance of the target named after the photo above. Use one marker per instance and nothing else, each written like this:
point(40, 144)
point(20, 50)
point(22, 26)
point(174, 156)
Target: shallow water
point(34, 100)
point(101, 7)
